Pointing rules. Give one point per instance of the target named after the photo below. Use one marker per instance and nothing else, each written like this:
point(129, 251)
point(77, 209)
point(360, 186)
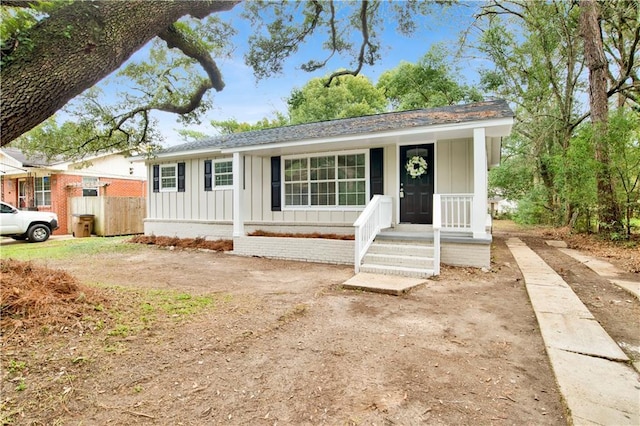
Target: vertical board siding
point(195, 184)
point(195, 203)
point(454, 166)
point(254, 199)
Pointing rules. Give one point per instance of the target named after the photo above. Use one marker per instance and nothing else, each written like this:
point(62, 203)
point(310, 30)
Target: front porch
point(457, 237)
point(385, 248)
point(455, 249)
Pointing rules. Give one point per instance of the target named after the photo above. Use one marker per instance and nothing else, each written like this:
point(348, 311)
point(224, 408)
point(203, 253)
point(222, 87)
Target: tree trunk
point(608, 209)
point(76, 47)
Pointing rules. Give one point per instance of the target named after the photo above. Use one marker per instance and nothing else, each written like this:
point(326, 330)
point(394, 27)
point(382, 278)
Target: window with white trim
point(325, 180)
point(168, 177)
point(223, 173)
point(43, 191)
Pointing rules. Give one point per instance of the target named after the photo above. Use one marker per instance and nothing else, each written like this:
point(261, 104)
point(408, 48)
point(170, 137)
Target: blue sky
point(249, 101)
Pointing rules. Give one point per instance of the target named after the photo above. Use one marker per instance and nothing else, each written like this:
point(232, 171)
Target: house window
point(89, 186)
point(327, 180)
point(218, 173)
point(223, 172)
point(43, 191)
point(168, 177)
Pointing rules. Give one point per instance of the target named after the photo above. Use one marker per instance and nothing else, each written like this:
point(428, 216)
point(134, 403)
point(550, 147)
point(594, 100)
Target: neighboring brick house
point(37, 184)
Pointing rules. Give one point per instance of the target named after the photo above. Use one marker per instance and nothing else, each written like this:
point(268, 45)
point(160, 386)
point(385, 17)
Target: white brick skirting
point(299, 228)
point(304, 249)
point(321, 250)
point(188, 229)
point(461, 254)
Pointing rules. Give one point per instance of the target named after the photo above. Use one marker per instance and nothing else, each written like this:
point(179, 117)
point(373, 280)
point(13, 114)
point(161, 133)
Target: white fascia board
point(181, 155)
point(138, 158)
point(439, 128)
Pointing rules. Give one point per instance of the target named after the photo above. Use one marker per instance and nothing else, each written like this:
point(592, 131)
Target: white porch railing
point(456, 211)
point(437, 225)
point(376, 216)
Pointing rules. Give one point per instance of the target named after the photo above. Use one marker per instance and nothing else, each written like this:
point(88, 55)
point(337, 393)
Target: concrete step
point(400, 248)
point(378, 283)
point(396, 270)
point(409, 261)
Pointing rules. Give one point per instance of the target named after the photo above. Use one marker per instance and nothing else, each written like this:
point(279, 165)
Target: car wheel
point(38, 233)
point(19, 237)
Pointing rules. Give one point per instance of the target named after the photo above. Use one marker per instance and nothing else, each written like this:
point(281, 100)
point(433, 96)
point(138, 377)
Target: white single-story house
point(410, 187)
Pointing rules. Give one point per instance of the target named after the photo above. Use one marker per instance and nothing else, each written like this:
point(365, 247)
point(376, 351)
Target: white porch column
point(480, 183)
point(238, 195)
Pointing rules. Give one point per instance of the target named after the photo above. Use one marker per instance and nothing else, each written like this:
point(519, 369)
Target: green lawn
point(60, 249)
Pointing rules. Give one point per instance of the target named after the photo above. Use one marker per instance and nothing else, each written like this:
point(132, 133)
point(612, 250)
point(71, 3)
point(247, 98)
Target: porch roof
point(348, 127)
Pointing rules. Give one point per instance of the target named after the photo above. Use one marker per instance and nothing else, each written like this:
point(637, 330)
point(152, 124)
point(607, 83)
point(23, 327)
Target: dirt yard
point(284, 344)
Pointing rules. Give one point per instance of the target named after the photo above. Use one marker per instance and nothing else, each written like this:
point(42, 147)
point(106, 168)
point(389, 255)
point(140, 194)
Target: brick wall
point(342, 252)
point(124, 188)
point(64, 186)
point(305, 249)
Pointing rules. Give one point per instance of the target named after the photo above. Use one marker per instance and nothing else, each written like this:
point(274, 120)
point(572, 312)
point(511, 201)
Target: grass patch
point(175, 303)
point(298, 311)
point(60, 249)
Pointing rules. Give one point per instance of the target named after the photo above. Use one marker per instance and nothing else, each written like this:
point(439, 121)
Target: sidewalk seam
point(606, 358)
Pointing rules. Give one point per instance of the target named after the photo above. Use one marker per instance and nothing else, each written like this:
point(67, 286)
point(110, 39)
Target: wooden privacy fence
point(112, 215)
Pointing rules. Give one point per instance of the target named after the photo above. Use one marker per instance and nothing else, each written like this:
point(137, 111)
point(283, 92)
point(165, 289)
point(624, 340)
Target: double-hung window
point(223, 172)
point(218, 174)
point(325, 180)
point(168, 177)
point(43, 191)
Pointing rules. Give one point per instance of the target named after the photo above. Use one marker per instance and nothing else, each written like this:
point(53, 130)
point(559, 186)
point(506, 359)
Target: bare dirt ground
point(284, 344)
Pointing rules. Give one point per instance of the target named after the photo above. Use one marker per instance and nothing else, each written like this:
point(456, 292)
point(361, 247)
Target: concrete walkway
point(605, 270)
point(593, 373)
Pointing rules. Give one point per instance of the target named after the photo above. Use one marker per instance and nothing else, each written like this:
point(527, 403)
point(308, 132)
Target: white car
point(32, 226)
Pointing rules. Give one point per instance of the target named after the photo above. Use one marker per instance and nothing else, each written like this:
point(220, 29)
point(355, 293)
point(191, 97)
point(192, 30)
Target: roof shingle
point(478, 111)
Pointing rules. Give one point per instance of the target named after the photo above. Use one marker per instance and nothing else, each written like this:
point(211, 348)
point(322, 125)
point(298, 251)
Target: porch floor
point(378, 283)
point(426, 234)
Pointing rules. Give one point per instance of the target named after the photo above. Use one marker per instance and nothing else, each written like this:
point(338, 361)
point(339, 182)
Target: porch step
point(396, 270)
point(408, 248)
point(398, 260)
point(399, 257)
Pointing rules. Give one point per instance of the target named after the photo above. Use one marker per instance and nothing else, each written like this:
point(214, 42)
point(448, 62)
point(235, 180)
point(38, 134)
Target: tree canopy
point(54, 51)
point(346, 96)
point(431, 82)
point(539, 56)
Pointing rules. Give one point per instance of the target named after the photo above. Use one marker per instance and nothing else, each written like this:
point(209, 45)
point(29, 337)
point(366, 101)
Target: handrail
point(376, 216)
point(437, 225)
